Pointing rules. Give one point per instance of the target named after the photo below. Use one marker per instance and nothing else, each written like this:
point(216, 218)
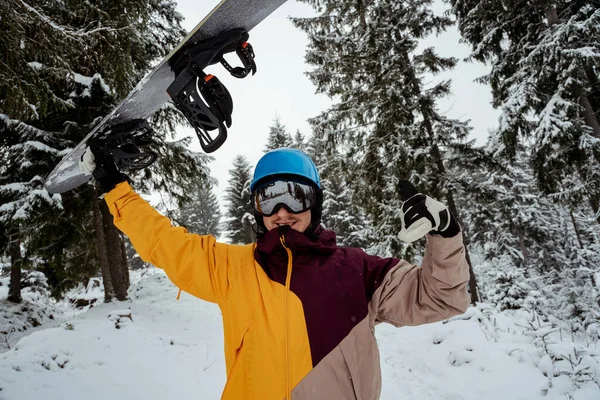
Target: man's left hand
point(421, 214)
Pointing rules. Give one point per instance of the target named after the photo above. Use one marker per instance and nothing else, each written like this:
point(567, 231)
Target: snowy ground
point(156, 347)
point(35, 313)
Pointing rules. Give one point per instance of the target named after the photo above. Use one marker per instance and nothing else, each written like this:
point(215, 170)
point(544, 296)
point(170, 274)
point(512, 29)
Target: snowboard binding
point(202, 98)
point(124, 142)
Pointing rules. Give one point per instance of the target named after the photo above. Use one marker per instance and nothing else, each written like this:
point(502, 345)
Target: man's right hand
point(100, 163)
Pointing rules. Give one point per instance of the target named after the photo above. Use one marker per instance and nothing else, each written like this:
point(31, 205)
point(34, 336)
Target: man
point(298, 311)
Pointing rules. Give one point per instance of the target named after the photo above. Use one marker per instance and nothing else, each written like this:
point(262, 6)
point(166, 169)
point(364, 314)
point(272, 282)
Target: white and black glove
point(422, 214)
point(100, 163)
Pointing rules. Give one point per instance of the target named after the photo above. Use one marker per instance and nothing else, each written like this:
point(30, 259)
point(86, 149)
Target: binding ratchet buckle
point(201, 97)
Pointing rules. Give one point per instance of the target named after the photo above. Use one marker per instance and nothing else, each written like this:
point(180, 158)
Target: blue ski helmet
point(285, 161)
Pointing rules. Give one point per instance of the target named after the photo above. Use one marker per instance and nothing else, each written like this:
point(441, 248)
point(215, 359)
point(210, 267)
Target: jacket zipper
point(288, 280)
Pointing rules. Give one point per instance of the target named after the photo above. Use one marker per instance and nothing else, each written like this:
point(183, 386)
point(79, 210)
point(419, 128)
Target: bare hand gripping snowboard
point(202, 98)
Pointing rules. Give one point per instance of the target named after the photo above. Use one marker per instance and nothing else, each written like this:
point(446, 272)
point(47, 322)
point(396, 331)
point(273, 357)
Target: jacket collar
point(301, 245)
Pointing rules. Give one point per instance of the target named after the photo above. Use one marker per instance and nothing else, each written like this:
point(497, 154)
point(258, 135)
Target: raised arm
point(196, 264)
point(406, 294)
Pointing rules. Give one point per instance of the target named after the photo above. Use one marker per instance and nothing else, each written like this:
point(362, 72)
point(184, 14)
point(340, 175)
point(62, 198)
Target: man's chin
point(295, 226)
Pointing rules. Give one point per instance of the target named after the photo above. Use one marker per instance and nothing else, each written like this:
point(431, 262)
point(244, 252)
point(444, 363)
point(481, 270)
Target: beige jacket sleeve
point(437, 290)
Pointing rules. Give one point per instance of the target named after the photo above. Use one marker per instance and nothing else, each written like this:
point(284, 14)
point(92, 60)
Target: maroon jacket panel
point(335, 284)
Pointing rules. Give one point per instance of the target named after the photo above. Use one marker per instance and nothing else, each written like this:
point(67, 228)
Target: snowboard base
point(151, 93)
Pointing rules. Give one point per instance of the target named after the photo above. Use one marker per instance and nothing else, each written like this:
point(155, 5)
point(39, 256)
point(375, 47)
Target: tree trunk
point(576, 230)
point(551, 15)
point(437, 156)
point(595, 207)
point(16, 260)
point(594, 94)
point(109, 292)
point(124, 258)
point(361, 7)
point(589, 116)
point(118, 269)
point(589, 111)
point(473, 289)
point(523, 247)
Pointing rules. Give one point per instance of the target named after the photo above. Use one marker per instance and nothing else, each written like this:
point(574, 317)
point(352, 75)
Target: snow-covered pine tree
point(298, 141)
point(528, 242)
point(544, 60)
point(365, 57)
point(340, 212)
point(37, 90)
point(507, 215)
point(22, 204)
point(278, 136)
point(575, 295)
point(70, 63)
point(201, 214)
point(239, 218)
point(515, 230)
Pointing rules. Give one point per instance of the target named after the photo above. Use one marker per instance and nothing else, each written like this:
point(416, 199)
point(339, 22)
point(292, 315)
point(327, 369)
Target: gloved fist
point(422, 214)
point(100, 163)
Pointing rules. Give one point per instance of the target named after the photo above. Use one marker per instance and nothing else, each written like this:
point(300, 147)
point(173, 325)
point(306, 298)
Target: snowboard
point(179, 78)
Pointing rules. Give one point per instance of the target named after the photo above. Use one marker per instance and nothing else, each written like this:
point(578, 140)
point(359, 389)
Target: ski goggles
point(294, 196)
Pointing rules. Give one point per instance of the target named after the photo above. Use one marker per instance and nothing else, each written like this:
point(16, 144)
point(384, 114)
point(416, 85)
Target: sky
point(281, 88)
point(156, 347)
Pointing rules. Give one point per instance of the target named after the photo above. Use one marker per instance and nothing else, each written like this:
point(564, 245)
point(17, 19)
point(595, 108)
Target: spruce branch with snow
point(366, 57)
point(239, 219)
point(71, 63)
point(544, 59)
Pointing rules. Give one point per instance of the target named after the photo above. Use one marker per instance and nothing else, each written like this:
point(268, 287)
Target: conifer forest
point(528, 198)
